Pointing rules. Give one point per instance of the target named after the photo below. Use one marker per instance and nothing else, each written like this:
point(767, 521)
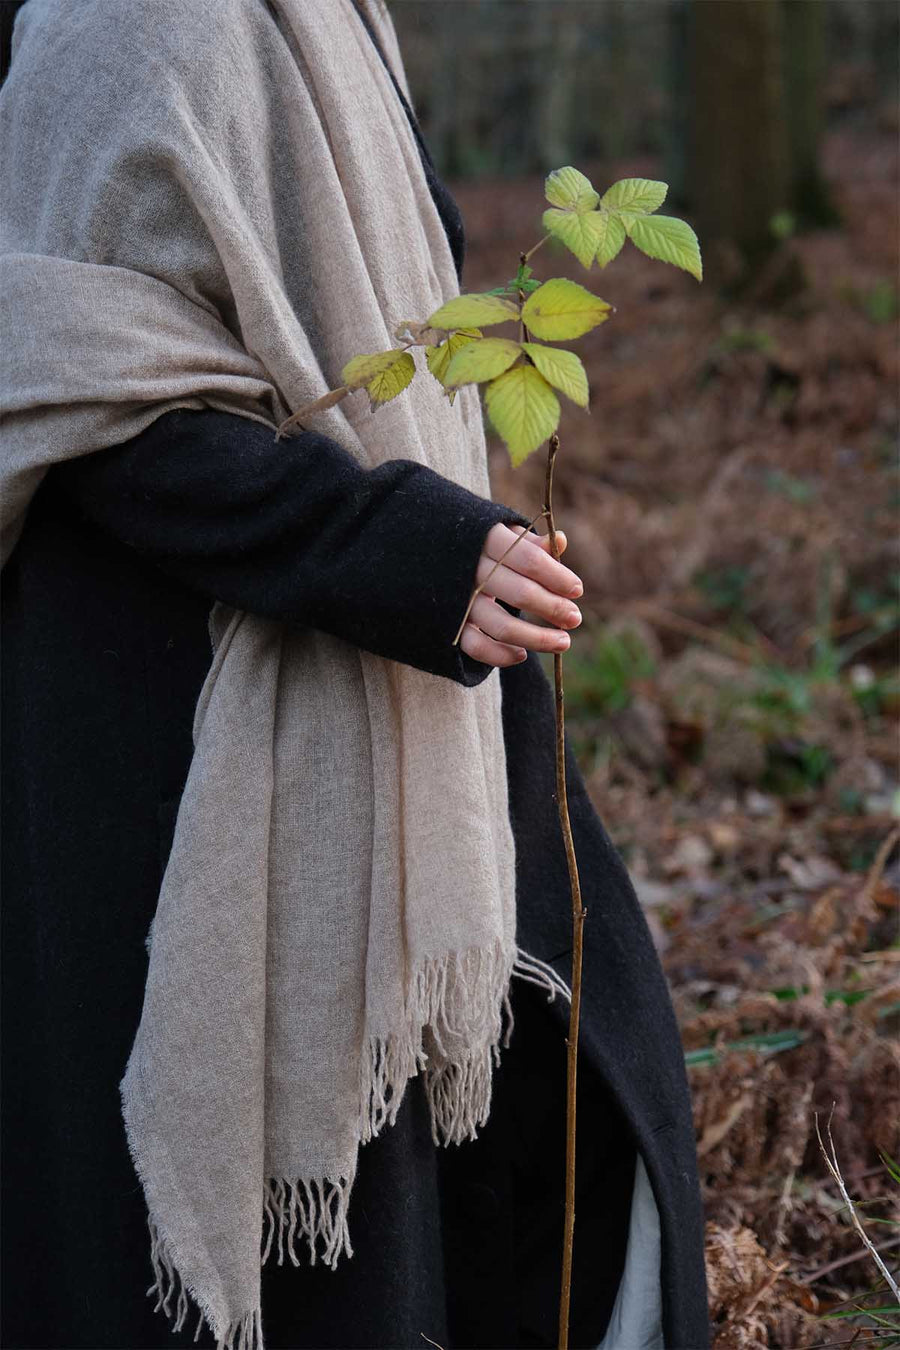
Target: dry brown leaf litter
point(756, 442)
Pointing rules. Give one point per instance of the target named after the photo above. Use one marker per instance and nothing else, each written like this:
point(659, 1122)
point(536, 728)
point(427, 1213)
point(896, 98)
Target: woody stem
point(578, 915)
point(533, 249)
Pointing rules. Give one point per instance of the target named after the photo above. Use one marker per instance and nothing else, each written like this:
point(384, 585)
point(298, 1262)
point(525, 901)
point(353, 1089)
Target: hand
point(529, 578)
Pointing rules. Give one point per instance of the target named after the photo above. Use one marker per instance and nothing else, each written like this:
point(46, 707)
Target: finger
point(503, 536)
point(543, 540)
point(498, 623)
point(532, 560)
point(483, 648)
point(537, 540)
point(505, 584)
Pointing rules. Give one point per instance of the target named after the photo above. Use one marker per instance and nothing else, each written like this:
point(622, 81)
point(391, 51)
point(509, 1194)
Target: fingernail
point(563, 641)
point(521, 655)
point(576, 591)
point(574, 618)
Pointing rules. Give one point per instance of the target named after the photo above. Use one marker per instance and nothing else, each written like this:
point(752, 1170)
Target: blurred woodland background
point(731, 501)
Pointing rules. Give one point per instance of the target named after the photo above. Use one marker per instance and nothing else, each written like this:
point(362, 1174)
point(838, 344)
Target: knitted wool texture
point(218, 207)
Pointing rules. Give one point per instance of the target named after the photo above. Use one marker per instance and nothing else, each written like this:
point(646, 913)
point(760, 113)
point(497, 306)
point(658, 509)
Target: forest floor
point(731, 503)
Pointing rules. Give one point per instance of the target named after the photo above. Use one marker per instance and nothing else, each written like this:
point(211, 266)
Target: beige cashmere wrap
point(218, 206)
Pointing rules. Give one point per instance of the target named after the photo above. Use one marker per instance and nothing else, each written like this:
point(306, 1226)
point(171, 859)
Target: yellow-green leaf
point(362, 369)
point(628, 218)
point(570, 189)
point(612, 237)
point(561, 310)
point(669, 239)
point(439, 357)
point(580, 231)
point(523, 409)
point(561, 369)
point(635, 194)
point(483, 360)
point(390, 382)
point(465, 311)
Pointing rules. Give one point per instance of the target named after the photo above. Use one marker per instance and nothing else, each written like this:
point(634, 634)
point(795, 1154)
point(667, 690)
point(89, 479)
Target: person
point(119, 544)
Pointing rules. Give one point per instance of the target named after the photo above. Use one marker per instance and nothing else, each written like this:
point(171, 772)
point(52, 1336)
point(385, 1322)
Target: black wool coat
point(105, 648)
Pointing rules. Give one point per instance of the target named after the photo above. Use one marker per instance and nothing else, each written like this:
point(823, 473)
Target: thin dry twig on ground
point(876, 871)
point(831, 1162)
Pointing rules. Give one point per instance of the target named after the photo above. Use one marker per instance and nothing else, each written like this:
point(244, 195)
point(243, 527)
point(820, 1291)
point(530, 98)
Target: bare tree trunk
point(804, 38)
point(557, 30)
point(738, 170)
point(615, 37)
point(442, 133)
point(676, 71)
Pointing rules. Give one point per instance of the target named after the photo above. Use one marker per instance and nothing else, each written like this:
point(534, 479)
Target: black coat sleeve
point(297, 530)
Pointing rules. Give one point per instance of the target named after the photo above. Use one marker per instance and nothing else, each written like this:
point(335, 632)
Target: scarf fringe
point(322, 1217)
point(459, 1097)
point(462, 995)
point(243, 1333)
point(534, 971)
point(459, 1091)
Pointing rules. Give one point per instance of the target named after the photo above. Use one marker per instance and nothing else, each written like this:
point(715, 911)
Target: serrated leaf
point(670, 240)
point(390, 382)
point(561, 369)
point(467, 311)
point(484, 360)
point(362, 369)
point(561, 310)
point(439, 358)
point(580, 231)
point(635, 194)
point(569, 189)
point(612, 236)
point(628, 218)
point(523, 409)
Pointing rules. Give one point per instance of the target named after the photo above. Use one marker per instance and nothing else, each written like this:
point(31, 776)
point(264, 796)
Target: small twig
point(326, 401)
point(871, 1333)
point(794, 1159)
point(843, 627)
point(430, 1341)
point(846, 1261)
point(534, 249)
point(676, 623)
point(333, 396)
point(832, 1165)
point(481, 585)
point(876, 871)
point(524, 335)
point(784, 1207)
point(747, 1308)
point(691, 558)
